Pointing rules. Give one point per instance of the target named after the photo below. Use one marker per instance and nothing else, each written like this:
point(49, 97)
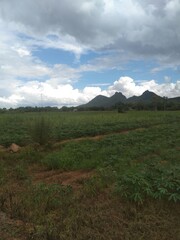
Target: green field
point(17, 127)
point(90, 175)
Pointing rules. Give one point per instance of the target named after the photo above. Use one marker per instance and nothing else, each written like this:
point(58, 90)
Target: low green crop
point(150, 181)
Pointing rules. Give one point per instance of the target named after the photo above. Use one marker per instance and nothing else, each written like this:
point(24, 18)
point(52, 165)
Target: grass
point(133, 192)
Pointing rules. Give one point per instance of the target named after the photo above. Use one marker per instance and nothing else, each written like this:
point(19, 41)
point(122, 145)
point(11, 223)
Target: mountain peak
point(118, 93)
point(118, 97)
point(147, 91)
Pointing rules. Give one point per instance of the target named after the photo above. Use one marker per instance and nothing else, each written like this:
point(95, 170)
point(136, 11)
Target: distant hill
point(118, 98)
point(98, 101)
point(175, 100)
point(105, 102)
point(146, 97)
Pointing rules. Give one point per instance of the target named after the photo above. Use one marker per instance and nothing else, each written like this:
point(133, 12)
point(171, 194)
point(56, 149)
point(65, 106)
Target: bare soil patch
point(96, 138)
point(72, 178)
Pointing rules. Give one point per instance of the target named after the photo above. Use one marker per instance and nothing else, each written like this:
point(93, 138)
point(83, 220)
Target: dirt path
point(97, 137)
point(72, 178)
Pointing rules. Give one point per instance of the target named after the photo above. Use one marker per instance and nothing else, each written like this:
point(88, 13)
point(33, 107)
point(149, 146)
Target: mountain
point(118, 98)
point(146, 97)
point(105, 102)
point(175, 100)
point(99, 101)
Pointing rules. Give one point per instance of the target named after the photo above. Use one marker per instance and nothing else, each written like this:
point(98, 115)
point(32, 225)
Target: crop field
point(90, 175)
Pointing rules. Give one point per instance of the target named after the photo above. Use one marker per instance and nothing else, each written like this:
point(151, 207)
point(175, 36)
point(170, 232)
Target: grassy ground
point(118, 180)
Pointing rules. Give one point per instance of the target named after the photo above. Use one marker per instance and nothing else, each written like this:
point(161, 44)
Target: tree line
point(120, 107)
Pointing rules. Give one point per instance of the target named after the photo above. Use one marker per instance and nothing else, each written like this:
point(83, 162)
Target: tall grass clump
point(41, 131)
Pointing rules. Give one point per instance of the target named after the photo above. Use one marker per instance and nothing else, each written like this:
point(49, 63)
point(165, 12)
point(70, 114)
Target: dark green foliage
point(153, 180)
point(12, 130)
point(41, 131)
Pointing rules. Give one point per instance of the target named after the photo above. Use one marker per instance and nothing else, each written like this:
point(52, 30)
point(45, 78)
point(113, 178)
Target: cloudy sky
point(64, 52)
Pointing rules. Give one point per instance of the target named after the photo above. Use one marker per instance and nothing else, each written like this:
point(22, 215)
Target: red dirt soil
point(96, 138)
point(72, 178)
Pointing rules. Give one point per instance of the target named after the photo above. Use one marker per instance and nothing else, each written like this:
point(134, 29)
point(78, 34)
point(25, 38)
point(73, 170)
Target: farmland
point(90, 175)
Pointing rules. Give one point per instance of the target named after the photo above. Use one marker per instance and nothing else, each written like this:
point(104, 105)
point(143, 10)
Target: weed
point(20, 172)
point(103, 178)
point(31, 154)
point(33, 203)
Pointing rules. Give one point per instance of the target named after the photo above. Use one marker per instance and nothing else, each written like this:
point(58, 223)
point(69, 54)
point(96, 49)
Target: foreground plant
point(152, 181)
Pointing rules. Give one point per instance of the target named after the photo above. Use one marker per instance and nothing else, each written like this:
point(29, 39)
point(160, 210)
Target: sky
point(64, 53)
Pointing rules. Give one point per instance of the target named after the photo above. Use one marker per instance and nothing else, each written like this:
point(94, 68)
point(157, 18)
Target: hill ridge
point(101, 101)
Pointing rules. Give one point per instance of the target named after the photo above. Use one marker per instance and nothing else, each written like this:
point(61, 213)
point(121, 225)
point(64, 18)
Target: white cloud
point(63, 42)
point(121, 30)
point(133, 29)
point(22, 52)
point(141, 26)
point(129, 87)
point(34, 93)
point(17, 61)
